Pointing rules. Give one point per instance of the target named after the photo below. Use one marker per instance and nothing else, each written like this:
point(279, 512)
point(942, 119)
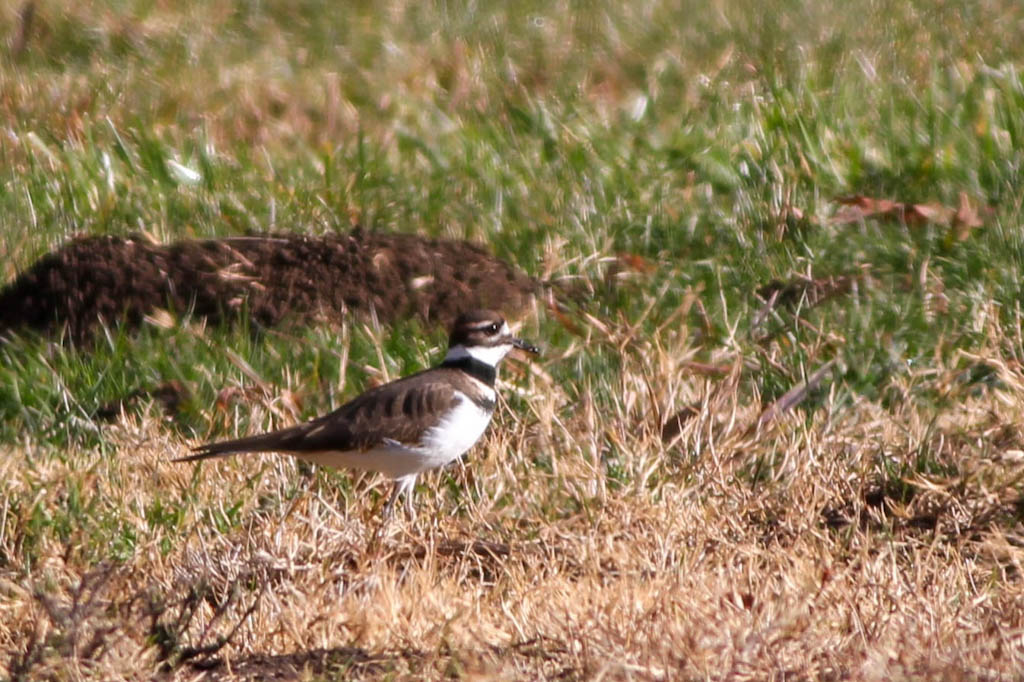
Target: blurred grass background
point(709, 139)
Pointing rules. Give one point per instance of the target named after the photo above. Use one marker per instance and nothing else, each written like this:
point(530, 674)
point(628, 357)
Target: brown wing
point(394, 411)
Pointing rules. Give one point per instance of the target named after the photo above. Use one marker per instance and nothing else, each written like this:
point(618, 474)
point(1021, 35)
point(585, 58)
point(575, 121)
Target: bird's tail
point(260, 443)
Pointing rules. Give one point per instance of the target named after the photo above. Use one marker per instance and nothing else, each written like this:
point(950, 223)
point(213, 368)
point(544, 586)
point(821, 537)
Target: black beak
point(523, 345)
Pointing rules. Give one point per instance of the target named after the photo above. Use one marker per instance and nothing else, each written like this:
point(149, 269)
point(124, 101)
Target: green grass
point(708, 140)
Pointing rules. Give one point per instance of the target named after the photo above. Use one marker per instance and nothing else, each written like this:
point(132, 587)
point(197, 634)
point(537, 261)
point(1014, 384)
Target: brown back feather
point(388, 412)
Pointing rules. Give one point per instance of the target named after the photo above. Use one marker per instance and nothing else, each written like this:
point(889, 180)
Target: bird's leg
point(388, 510)
point(408, 483)
point(410, 511)
point(390, 506)
point(403, 484)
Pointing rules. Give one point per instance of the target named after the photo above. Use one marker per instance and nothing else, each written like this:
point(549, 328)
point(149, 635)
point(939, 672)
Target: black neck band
point(474, 368)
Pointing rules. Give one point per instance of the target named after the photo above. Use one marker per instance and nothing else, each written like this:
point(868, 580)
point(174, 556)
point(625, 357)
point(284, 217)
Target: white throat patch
point(492, 355)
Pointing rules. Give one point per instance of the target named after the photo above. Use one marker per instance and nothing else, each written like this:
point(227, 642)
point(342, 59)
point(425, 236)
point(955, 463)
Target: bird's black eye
point(493, 328)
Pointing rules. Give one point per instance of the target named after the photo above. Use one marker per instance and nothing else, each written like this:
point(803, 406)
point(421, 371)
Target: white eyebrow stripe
point(480, 326)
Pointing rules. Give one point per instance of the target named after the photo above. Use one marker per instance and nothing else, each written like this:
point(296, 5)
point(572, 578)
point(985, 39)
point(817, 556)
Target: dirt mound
point(271, 278)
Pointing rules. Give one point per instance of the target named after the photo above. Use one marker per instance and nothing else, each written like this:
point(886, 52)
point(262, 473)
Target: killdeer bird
point(408, 426)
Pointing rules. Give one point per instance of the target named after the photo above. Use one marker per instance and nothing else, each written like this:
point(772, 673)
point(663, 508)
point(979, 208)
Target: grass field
point(658, 165)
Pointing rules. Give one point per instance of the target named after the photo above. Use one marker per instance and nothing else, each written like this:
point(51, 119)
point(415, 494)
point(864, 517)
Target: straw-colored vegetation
point(674, 490)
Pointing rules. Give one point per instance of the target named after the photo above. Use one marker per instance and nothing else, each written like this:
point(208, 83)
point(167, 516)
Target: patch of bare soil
point(269, 278)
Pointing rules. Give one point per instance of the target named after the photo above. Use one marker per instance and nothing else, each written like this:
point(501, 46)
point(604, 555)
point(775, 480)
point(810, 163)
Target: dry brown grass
point(687, 565)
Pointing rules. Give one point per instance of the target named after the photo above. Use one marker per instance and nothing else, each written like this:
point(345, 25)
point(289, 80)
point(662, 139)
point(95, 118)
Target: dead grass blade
point(793, 397)
point(960, 220)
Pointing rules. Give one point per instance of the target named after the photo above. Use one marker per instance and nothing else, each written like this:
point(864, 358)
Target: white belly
point(456, 433)
point(452, 437)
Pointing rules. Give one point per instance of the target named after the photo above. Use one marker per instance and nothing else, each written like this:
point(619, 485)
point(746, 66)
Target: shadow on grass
point(334, 662)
